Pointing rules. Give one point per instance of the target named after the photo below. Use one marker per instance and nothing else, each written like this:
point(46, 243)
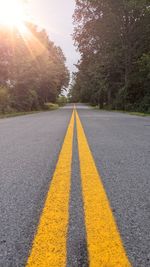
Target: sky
point(56, 17)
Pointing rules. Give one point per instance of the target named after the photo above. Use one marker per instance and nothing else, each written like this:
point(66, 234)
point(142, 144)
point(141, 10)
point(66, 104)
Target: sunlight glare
point(12, 14)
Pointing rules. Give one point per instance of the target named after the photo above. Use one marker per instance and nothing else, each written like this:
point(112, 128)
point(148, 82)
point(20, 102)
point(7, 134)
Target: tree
point(4, 99)
point(111, 36)
point(32, 67)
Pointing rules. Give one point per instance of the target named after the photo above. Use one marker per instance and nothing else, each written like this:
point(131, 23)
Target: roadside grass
point(50, 106)
point(141, 114)
point(16, 114)
point(47, 107)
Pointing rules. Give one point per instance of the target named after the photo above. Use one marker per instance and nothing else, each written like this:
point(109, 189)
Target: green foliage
point(4, 99)
point(113, 38)
point(50, 106)
point(31, 67)
point(62, 100)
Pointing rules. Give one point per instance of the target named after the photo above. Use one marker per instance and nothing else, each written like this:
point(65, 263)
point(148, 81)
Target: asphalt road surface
point(73, 197)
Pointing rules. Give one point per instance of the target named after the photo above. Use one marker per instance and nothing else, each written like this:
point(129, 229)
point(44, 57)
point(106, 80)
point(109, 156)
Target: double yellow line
point(49, 247)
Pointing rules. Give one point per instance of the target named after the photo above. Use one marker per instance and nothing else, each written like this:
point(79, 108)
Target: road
point(76, 197)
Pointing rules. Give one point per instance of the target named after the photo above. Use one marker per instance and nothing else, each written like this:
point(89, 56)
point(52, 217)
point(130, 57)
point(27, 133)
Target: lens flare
point(12, 14)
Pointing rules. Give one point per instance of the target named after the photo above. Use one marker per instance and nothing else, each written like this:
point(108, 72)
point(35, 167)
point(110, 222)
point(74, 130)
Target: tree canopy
point(32, 68)
point(113, 38)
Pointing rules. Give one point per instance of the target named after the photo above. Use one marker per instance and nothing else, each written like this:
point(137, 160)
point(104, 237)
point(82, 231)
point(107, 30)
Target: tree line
point(32, 69)
point(113, 38)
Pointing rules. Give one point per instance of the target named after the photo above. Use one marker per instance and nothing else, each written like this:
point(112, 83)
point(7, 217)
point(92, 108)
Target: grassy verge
point(139, 114)
point(48, 107)
point(15, 114)
point(142, 114)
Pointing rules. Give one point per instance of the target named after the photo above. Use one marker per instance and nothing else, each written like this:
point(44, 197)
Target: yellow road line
point(49, 246)
point(105, 247)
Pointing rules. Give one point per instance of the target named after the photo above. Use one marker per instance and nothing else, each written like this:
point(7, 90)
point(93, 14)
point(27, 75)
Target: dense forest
point(113, 38)
point(32, 69)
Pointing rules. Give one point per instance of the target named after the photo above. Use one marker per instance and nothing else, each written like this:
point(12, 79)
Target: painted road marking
point(105, 247)
point(49, 246)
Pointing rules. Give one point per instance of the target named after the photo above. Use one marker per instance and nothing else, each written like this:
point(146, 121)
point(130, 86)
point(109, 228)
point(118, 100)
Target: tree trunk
point(101, 102)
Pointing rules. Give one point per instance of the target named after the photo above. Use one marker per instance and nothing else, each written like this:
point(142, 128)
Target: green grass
point(49, 107)
point(15, 114)
point(142, 114)
point(139, 114)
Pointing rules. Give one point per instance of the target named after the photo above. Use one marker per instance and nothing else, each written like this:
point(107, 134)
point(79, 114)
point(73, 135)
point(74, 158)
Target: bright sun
point(12, 14)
